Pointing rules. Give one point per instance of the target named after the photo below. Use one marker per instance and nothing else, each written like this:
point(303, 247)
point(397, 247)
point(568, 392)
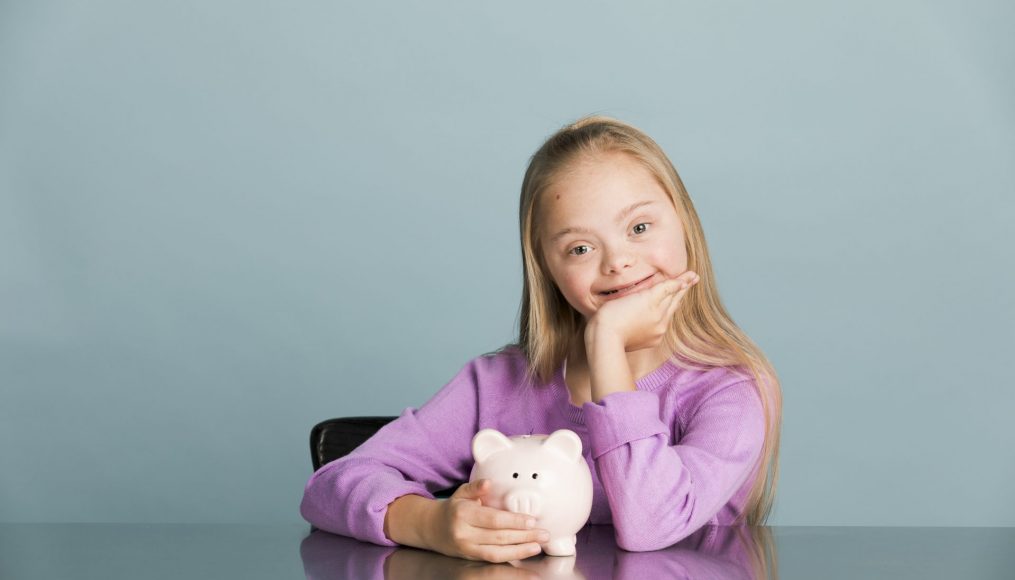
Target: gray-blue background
point(222, 222)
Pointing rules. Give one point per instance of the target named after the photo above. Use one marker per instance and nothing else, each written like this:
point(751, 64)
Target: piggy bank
point(544, 476)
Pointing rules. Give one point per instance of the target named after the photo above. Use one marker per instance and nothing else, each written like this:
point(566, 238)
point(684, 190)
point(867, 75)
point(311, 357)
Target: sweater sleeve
point(658, 493)
point(420, 452)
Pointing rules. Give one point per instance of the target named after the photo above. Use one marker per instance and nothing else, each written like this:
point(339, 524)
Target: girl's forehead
point(598, 164)
point(608, 183)
point(615, 173)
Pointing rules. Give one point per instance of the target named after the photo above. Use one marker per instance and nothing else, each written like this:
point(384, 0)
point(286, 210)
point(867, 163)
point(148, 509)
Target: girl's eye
point(571, 251)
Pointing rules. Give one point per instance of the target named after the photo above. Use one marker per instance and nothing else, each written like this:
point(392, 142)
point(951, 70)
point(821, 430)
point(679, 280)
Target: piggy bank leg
point(561, 546)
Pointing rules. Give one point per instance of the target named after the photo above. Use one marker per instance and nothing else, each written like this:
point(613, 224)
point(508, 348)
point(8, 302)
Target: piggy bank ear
point(487, 442)
point(565, 441)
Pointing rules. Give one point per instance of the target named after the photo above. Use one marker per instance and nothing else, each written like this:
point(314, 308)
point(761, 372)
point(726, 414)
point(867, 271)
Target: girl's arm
point(661, 493)
point(419, 452)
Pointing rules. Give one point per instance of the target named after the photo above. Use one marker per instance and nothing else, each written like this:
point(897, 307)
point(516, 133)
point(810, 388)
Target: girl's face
point(608, 224)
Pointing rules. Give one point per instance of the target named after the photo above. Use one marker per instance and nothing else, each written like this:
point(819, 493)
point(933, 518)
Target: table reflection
point(727, 552)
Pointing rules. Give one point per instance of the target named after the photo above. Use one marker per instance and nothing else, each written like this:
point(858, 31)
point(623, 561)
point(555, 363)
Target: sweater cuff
point(620, 418)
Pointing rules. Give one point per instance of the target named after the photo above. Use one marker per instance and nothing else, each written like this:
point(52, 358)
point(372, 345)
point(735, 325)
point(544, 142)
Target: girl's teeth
point(625, 288)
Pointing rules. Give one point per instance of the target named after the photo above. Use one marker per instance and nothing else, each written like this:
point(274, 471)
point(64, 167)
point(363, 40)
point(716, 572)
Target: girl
point(623, 339)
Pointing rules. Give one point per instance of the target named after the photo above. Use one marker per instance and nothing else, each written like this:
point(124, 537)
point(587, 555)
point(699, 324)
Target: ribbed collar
point(650, 382)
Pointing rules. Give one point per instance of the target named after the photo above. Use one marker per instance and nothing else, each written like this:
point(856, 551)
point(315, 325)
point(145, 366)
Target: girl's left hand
point(640, 320)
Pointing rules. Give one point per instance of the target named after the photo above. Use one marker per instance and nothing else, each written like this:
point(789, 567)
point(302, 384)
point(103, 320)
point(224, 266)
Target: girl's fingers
point(501, 536)
point(488, 517)
point(689, 281)
point(675, 296)
point(508, 537)
point(472, 490)
point(687, 277)
point(678, 284)
point(690, 277)
point(500, 527)
point(674, 302)
point(500, 554)
point(671, 301)
point(669, 288)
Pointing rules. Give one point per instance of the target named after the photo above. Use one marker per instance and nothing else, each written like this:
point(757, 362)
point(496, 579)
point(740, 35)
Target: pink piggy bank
point(544, 476)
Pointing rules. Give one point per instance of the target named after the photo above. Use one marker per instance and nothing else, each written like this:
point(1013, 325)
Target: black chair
point(335, 438)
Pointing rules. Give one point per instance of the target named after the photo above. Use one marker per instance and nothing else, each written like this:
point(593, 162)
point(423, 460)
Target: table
point(276, 551)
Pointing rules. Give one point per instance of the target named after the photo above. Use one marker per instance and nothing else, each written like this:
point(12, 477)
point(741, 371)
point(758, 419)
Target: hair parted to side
point(701, 335)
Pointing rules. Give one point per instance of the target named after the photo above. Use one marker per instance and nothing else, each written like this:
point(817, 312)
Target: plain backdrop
point(222, 222)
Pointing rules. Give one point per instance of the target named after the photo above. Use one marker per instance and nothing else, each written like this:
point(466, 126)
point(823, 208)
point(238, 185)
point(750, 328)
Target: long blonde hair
point(701, 336)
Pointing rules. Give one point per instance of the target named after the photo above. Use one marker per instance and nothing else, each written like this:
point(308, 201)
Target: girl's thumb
point(474, 488)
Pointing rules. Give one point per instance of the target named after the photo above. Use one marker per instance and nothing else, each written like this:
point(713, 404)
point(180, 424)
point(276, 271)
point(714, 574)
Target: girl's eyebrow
point(583, 230)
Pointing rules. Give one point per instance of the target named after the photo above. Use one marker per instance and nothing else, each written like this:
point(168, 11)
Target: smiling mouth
point(624, 289)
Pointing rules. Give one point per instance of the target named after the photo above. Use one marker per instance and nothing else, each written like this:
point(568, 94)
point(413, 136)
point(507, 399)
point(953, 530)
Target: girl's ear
point(565, 441)
point(487, 442)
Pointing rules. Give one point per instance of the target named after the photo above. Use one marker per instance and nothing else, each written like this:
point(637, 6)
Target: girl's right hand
point(464, 528)
point(640, 320)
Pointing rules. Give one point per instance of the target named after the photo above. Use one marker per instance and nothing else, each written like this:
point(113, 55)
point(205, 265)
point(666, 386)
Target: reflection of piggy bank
point(544, 476)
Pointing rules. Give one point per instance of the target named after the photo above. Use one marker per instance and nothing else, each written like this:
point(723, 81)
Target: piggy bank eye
point(515, 476)
point(535, 475)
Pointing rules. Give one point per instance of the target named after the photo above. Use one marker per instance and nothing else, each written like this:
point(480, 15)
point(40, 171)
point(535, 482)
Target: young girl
point(623, 339)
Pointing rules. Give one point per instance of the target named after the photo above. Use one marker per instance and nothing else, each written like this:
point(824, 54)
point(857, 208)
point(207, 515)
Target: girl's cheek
point(677, 262)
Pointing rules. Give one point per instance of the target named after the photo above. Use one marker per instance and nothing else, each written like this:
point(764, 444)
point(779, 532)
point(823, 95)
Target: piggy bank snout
point(524, 501)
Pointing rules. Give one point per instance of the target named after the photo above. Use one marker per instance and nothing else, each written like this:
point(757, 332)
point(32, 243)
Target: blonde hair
point(701, 336)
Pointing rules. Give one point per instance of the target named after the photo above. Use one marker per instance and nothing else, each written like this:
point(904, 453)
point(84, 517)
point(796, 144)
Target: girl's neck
point(641, 362)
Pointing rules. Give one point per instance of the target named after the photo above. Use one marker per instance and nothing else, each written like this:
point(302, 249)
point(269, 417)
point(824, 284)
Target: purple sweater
point(667, 459)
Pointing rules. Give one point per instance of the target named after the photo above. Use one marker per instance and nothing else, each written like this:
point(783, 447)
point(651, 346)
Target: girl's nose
point(617, 260)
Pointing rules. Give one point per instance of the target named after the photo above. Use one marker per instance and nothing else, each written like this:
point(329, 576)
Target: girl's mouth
point(628, 290)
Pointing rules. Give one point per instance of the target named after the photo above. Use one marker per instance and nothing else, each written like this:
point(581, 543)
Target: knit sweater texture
point(677, 454)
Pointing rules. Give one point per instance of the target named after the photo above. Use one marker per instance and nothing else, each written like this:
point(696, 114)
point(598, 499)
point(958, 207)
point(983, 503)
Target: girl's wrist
point(607, 362)
point(598, 339)
point(410, 520)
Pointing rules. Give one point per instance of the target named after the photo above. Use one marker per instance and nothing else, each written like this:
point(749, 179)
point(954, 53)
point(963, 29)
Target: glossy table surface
point(251, 552)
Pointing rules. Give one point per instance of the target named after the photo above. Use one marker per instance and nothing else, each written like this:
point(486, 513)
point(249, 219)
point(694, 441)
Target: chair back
point(335, 438)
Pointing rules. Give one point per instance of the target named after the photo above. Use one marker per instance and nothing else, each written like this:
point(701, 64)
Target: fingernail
point(530, 523)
